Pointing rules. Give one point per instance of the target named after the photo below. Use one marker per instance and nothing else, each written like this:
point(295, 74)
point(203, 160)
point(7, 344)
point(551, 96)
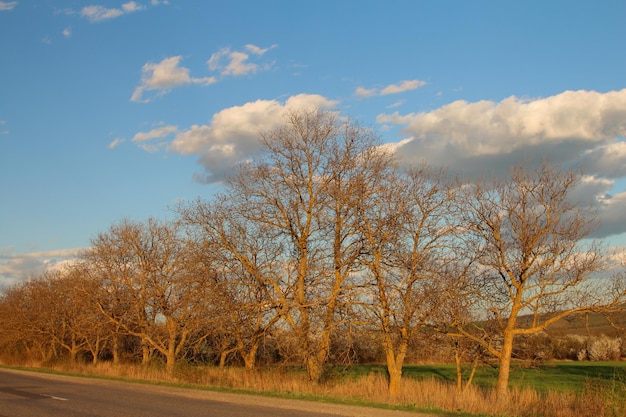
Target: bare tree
point(529, 239)
point(22, 329)
point(406, 223)
point(242, 298)
point(289, 220)
point(154, 286)
point(49, 314)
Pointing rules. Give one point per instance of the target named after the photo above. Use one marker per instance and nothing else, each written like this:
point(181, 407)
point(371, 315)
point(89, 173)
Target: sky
point(114, 110)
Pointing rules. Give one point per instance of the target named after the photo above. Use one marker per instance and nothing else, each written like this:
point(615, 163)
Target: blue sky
point(114, 109)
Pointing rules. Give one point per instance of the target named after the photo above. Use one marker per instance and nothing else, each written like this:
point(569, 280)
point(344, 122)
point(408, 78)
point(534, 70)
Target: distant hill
point(592, 324)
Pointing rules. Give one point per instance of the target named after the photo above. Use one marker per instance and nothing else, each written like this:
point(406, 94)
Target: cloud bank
point(231, 137)
point(561, 128)
point(575, 129)
point(16, 267)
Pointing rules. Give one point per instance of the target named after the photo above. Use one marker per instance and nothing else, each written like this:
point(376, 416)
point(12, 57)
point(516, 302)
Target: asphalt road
point(28, 394)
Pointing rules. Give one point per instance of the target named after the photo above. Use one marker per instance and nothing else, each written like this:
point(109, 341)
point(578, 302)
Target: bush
point(604, 348)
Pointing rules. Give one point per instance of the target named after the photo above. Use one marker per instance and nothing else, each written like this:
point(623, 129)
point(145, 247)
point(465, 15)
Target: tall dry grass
point(431, 394)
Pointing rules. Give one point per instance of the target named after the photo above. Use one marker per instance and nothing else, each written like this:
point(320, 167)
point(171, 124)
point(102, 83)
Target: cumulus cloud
point(611, 215)
point(608, 160)
point(67, 32)
point(5, 6)
point(236, 63)
point(98, 13)
point(583, 129)
point(232, 136)
point(15, 267)
point(561, 128)
point(401, 87)
point(165, 75)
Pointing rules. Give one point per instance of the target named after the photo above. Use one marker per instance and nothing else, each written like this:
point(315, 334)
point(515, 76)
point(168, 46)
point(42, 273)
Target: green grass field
point(555, 376)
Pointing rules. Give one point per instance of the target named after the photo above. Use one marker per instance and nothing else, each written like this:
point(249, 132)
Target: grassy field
point(561, 389)
point(550, 376)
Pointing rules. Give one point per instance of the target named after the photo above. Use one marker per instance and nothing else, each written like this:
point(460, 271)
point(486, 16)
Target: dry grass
point(372, 389)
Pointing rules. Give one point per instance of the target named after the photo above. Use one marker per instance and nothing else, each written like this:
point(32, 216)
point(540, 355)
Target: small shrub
point(604, 348)
point(569, 347)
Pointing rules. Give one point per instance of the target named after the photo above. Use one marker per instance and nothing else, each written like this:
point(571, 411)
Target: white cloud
point(158, 133)
point(165, 75)
point(67, 32)
point(406, 85)
point(7, 5)
point(115, 143)
point(257, 50)
point(15, 267)
point(396, 104)
point(403, 86)
point(132, 7)
point(98, 13)
point(365, 92)
point(574, 129)
point(233, 134)
point(236, 63)
point(559, 128)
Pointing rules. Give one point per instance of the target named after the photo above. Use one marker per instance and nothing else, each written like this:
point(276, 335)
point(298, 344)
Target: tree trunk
point(249, 358)
point(170, 359)
point(145, 353)
point(314, 368)
point(502, 385)
point(395, 376)
point(395, 360)
point(223, 356)
point(116, 349)
point(459, 374)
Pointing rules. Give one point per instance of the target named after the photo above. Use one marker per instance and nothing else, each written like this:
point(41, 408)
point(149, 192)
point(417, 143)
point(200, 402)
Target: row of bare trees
point(320, 234)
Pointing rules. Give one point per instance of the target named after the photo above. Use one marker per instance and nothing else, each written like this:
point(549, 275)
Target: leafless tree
point(406, 222)
point(531, 243)
point(49, 314)
point(289, 220)
point(154, 286)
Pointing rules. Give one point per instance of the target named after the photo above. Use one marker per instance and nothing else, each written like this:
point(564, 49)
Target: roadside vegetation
point(322, 256)
point(563, 389)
